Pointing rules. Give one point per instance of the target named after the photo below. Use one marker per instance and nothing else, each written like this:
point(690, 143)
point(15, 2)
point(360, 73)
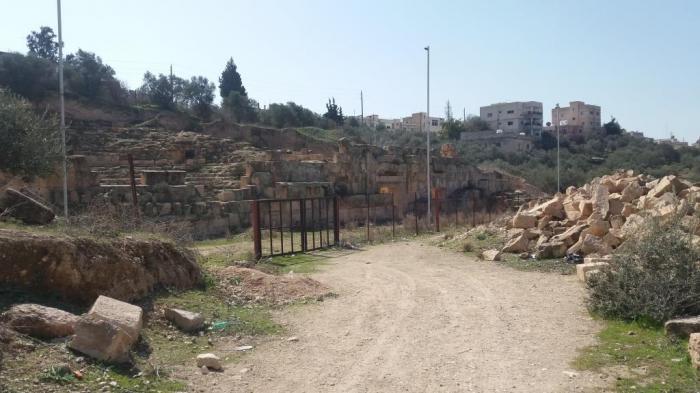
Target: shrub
point(653, 276)
point(29, 143)
point(467, 247)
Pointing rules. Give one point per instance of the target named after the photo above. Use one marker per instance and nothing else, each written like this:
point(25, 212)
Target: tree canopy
point(43, 44)
point(230, 80)
point(334, 112)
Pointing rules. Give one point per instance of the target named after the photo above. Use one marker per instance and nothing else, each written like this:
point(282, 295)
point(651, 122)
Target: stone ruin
point(209, 177)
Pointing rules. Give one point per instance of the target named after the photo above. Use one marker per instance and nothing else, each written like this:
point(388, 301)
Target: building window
point(510, 123)
point(489, 115)
point(434, 123)
point(511, 111)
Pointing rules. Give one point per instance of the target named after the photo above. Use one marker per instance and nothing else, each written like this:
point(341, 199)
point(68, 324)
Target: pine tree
point(230, 80)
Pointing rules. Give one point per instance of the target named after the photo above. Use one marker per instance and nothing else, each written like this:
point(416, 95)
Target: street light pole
point(427, 111)
point(62, 109)
point(558, 170)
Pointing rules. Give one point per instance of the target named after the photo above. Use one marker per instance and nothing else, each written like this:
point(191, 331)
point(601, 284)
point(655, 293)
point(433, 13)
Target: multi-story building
point(420, 122)
point(518, 117)
point(577, 118)
point(507, 142)
point(673, 141)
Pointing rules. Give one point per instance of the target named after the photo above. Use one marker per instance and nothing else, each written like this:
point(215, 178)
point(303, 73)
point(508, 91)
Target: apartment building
point(506, 142)
point(514, 117)
point(420, 122)
point(577, 118)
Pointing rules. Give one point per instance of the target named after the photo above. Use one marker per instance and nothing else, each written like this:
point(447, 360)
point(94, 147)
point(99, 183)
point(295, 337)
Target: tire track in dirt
point(415, 318)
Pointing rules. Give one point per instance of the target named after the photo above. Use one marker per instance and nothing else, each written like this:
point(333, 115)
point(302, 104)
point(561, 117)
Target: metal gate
point(286, 226)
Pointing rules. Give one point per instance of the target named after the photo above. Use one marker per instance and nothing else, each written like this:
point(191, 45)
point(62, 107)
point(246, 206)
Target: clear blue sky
point(639, 60)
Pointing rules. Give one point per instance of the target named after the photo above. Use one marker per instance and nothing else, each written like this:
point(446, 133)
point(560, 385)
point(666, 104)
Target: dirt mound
point(245, 285)
point(80, 269)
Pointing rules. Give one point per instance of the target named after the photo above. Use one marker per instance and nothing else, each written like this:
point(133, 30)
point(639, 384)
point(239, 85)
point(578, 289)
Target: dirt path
point(415, 318)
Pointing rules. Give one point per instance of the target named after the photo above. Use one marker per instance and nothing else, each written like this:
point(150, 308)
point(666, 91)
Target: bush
point(653, 276)
point(29, 144)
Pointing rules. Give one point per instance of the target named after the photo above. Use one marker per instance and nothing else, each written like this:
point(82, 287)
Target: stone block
point(584, 269)
point(39, 321)
point(185, 320)
point(682, 327)
point(108, 331)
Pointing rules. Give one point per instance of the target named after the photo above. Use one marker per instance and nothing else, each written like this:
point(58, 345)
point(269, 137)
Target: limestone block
point(583, 269)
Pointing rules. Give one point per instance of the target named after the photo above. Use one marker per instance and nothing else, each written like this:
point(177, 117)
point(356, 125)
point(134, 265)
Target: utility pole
point(464, 116)
point(558, 123)
point(362, 109)
point(172, 86)
point(427, 111)
point(63, 110)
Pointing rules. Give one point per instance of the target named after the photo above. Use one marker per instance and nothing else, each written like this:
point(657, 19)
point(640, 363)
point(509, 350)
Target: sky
point(639, 60)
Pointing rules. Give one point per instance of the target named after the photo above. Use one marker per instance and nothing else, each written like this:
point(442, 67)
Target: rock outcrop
point(80, 269)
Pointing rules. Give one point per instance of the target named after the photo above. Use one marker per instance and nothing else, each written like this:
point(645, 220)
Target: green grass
point(637, 346)
point(298, 263)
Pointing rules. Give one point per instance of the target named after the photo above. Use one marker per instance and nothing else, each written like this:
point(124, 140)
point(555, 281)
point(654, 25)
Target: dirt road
point(415, 318)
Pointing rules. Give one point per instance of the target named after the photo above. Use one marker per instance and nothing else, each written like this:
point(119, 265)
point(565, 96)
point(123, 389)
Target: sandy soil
point(416, 318)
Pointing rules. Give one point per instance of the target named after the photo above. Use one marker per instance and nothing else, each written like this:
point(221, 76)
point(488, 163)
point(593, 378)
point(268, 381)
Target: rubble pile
point(595, 219)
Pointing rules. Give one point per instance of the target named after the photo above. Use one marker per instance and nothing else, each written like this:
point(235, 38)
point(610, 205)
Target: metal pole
point(428, 183)
point(132, 183)
point(63, 111)
point(558, 170)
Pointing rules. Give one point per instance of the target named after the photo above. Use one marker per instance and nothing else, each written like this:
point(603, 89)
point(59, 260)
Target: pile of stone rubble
point(595, 219)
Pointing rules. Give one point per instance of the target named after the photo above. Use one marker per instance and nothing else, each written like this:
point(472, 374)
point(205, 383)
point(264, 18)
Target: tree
point(612, 127)
point(159, 90)
point(43, 44)
point(452, 128)
point(29, 144)
point(334, 112)
point(288, 115)
point(31, 77)
point(198, 95)
point(230, 80)
point(86, 74)
point(241, 108)
point(475, 123)
point(448, 111)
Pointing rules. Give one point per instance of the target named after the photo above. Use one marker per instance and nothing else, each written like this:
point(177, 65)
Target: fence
point(286, 226)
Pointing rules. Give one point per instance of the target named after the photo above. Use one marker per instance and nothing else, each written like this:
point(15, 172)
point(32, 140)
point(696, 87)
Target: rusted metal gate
point(286, 226)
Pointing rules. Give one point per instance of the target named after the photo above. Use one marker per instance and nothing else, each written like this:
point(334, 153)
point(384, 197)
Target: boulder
point(571, 235)
point(524, 220)
point(553, 208)
point(517, 245)
point(551, 250)
point(634, 223)
point(613, 238)
point(185, 320)
point(592, 244)
point(491, 255)
point(694, 349)
point(633, 191)
point(601, 206)
point(584, 269)
point(586, 208)
point(669, 183)
point(682, 327)
point(40, 321)
point(598, 227)
point(25, 208)
point(571, 210)
point(628, 209)
point(210, 361)
point(616, 204)
point(108, 331)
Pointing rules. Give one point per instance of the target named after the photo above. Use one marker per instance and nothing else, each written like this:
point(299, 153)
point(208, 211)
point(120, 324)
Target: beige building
point(518, 117)
point(419, 122)
point(577, 118)
point(507, 142)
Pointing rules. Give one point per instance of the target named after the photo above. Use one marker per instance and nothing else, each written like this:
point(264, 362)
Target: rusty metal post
point(269, 222)
point(367, 220)
point(281, 227)
point(415, 209)
point(437, 212)
point(393, 216)
point(313, 226)
point(255, 220)
point(291, 225)
point(328, 237)
point(302, 216)
point(336, 221)
point(132, 182)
